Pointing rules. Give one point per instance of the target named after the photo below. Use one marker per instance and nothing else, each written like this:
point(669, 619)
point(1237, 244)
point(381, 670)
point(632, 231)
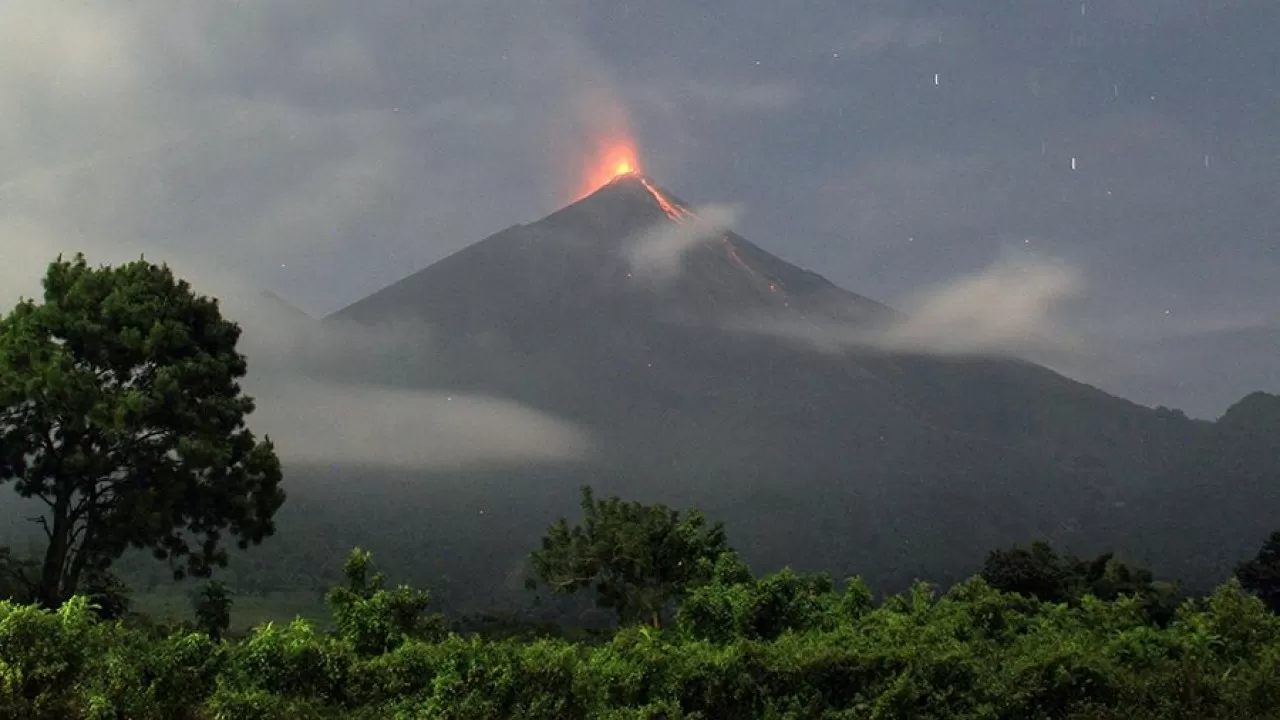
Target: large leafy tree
point(638, 558)
point(121, 412)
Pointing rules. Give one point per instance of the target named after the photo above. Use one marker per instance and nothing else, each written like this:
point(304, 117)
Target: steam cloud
point(1006, 309)
point(657, 254)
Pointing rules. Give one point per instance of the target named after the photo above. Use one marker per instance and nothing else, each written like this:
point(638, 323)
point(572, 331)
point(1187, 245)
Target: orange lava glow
point(616, 158)
point(673, 211)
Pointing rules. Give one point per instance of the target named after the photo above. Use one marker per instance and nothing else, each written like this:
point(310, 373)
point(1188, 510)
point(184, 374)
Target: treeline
point(1035, 635)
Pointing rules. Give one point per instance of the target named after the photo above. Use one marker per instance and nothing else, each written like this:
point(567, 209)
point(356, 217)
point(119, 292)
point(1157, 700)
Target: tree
point(377, 620)
point(638, 558)
point(212, 608)
point(120, 410)
point(1261, 575)
point(1036, 572)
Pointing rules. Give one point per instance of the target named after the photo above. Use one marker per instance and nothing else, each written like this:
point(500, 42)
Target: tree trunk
point(49, 592)
point(657, 620)
point(71, 580)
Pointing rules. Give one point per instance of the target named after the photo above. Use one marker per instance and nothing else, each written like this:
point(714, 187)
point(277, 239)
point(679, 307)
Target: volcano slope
point(847, 459)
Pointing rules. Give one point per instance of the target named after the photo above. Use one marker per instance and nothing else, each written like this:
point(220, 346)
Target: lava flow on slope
point(619, 164)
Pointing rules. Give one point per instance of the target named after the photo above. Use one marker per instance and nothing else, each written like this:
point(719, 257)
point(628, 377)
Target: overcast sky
point(325, 148)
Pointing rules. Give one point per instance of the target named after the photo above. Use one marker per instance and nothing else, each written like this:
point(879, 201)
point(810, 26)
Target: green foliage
point(376, 620)
point(149, 678)
point(121, 411)
point(43, 656)
point(1037, 572)
point(1041, 573)
point(212, 608)
point(637, 558)
point(292, 661)
point(733, 606)
point(800, 649)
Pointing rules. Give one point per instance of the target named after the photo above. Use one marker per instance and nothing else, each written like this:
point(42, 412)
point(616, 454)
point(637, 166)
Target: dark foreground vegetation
point(780, 646)
point(120, 412)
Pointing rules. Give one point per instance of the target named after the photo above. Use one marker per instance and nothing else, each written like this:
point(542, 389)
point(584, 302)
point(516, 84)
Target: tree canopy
point(1040, 572)
point(121, 412)
point(637, 557)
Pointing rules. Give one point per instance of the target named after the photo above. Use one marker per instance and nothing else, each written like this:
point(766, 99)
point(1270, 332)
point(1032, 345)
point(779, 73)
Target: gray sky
point(325, 148)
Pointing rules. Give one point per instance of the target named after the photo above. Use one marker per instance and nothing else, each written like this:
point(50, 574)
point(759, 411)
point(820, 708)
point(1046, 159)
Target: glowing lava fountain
point(615, 159)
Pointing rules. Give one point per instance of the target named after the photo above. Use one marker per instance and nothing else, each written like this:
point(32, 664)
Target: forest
point(122, 416)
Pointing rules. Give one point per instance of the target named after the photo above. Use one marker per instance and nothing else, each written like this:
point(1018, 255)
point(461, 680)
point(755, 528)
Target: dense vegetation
point(785, 645)
point(120, 411)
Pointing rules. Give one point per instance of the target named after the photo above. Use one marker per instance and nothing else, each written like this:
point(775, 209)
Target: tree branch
point(44, 499)
point(81, 506)
point(43, 522)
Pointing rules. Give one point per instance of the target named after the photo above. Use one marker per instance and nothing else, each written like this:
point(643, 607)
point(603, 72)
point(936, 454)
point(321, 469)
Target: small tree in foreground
point(637, 558)
point(121, 411)
point(212, 608)
point(377, 620)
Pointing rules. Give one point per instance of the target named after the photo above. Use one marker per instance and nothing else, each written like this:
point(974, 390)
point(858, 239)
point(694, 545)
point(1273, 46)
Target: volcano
point(622, 313)
point(535, 283)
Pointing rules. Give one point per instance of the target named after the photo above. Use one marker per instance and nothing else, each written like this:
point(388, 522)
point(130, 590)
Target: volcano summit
point(623, 313)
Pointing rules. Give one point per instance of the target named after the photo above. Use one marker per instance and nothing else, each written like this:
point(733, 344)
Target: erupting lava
point(617, 158)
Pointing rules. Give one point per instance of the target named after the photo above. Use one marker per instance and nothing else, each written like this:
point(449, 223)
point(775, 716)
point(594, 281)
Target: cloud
point(310, 147)
point(1008, 309)
point(1005, 309)
point(657, 254)
point(313, 398)
point(318, 422)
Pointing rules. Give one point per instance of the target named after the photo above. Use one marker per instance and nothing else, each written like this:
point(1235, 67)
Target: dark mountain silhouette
point(891, 465)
